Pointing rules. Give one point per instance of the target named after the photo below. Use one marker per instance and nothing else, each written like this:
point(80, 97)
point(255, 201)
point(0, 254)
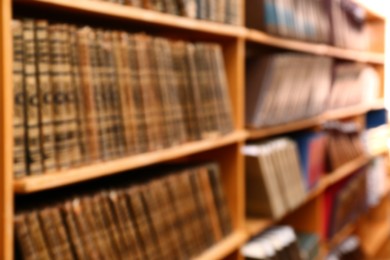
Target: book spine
point(88, 94)
point(34, 151)
point(36, 232)
point(45, 95)
point(25, 243)
point(138, 111)
point(19, 117)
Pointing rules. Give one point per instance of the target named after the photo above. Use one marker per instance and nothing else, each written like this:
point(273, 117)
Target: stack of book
point(344, 202)
point(286, 87)
point(174, 216)
point(277, 243)
point(274, 181)
point(340, 23)
point(353, 84)
point(348, 249)
point(84, 94)
point(344, 143)
point(221, 11)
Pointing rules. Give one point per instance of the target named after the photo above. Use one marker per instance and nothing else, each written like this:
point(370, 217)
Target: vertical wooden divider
point(6, 141)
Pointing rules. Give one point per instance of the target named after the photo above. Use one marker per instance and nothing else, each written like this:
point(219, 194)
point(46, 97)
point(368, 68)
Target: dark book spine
point(138, 114)
point(34, 152)
point(25, 242)
point(45, 95)
point(88, 95)
point(19, 117)
point(36, 231)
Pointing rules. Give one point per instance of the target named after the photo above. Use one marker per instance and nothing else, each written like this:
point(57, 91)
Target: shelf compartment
point(225, 247)
point(139, 15)
point(314, 121)
point(314, 48)
point(31, 184)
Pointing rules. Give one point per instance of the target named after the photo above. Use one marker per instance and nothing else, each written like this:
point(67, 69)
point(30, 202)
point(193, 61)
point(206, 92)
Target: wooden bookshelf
point(48, 181)
point(314, 48)
point(225, 149)
point(314, 121)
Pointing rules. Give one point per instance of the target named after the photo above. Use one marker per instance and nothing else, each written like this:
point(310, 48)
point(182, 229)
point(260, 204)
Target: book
point(274, 179)
point(176, 213)
point(103, 94)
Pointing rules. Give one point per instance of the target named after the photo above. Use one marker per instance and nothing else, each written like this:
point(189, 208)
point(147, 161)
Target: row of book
point(286, 87)
point(84, 94)
point(280, 172)
point(344, 202)
point(282, 243)
point(175, 215)
point(337, 22)
point(221, 11)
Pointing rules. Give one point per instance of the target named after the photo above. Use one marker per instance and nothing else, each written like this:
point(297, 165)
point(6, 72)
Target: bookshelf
point(226, 150)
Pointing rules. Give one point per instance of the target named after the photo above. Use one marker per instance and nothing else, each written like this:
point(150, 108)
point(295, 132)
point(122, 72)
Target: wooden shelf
point(47, 181)
point(225, 247)
point(255, 226)
point(374, 239)
point(140, 16)
point(314, 121)
point(314, 48)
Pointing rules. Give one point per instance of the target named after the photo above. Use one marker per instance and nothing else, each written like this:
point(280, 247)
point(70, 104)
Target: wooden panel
point(139, 15)
point(48, 181)
point(6, 140)
point(314, 121)
point(314, 48)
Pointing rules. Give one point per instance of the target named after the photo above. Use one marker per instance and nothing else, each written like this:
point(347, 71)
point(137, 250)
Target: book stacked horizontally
point(84, 94)
point(176, 215)
point(221, 11)
point(337, 22)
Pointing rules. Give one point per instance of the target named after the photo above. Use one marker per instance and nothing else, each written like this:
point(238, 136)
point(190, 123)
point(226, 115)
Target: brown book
point(223, 103)
point(220, 201)
point(138, 115)
point(25, 242)
point(73, 230)
point(81, 119)
point(88, 230)
point(126, 224)
point(88, 93)
point(155, 5)
point(158, 221)
point(154, 116)
point(37, 235)
point(210, 206)
point(142, 220)
point(93, 213)
point(55, 234)
point(182, 75)
point(19, 111)
point(34, 151)
point(188, 8)
point(46, 110)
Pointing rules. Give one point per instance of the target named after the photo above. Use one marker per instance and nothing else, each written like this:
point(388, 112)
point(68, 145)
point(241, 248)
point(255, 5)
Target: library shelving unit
point(226, 150)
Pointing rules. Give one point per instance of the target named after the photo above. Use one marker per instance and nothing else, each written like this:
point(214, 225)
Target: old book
point(19, 110)
point(188, 8)
point(46, 109)
point(73, 230)
point(126, 223)
point(138, 111)
point(34, 151)
point(151, 93)
point(80, 99)
point(25, 243)
point(142, 219)
point(54, 233)
point(88, 93)
point(38, 235)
